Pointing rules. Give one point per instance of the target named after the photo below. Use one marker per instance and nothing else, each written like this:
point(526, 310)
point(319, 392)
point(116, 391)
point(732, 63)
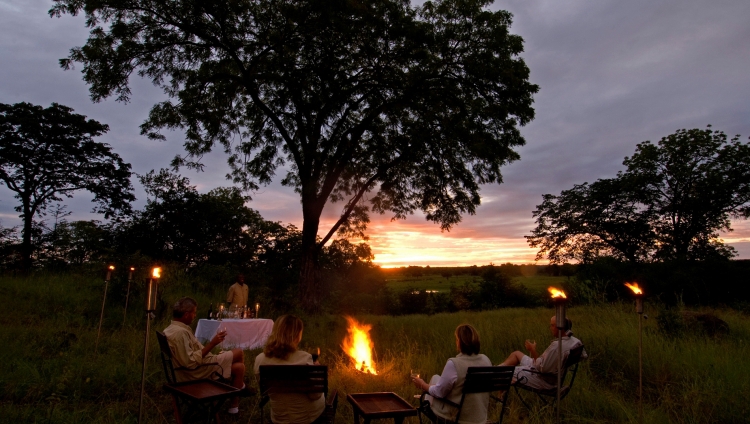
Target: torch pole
point(150, 307)
point(127, 296)
point(101, 316)
point(560, 324)
point(639, 309)
point(143, 373)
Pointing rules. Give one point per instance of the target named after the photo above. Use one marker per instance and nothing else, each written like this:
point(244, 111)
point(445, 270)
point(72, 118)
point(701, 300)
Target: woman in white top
point(450, 384)
point(281, 349)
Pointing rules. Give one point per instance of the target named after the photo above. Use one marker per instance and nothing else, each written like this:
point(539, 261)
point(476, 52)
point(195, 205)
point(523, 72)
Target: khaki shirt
point(187, 355)
point(292, 408)
point(237, 295)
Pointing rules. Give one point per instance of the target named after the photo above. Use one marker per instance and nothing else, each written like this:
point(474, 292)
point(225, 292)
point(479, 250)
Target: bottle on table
point(211, 312)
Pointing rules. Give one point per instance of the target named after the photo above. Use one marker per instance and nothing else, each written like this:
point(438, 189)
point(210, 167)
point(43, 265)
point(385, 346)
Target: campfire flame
point(634, 287)
point(156, 273)
point(358, 346)
point(557, 293)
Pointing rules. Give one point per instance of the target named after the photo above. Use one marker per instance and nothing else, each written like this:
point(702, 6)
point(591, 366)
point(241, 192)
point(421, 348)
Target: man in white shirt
point(546, 364)
point(190, 356)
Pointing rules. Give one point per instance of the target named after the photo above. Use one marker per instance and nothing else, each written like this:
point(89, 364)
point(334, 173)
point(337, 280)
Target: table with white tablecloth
point(245, 334)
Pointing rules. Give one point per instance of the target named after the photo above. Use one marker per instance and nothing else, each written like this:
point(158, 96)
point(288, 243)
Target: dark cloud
point(612, 74)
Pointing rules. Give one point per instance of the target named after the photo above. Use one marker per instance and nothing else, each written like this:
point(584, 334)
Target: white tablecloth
point(245, 334)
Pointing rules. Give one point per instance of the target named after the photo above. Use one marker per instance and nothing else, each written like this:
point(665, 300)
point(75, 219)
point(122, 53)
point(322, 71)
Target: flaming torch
point(104, 299)
point(559, 299)
point(127, 295)
point(150, 308)
point(638, 294)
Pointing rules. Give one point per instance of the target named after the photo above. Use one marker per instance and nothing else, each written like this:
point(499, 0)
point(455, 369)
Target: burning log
point(358, 346)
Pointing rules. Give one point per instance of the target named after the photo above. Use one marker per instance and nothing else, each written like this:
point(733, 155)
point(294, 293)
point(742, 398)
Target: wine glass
point(316, 355)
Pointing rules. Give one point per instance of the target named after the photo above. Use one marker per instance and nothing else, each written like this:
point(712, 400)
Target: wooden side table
point(380, 405)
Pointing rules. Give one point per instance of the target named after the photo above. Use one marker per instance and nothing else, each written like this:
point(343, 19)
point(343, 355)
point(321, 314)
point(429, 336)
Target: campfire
point(358, 346)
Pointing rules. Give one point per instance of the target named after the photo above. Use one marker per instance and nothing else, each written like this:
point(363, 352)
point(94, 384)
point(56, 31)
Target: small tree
point(49, 153)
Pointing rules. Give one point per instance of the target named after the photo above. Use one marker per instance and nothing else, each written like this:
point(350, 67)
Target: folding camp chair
point(571, 364)
point(478, 380)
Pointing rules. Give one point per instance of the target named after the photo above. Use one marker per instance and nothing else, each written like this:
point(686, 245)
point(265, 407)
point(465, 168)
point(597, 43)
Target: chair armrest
point(421, 399)
point(333, 399)
point(220, 373)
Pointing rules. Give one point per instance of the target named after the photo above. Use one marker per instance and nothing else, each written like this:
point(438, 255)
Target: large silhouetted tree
point(417, 106)
point(49, 153)
point(669, 204)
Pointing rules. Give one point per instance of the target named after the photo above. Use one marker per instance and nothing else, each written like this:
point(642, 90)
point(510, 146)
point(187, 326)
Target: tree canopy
point(417, 106)
point(46, 153)
point(180, 225)
point(669, 204)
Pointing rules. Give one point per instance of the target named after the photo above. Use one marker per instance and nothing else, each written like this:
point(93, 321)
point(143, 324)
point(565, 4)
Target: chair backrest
point(488, 379)
point(571, 364)
point(574, 356)
point(293, 379)
point(485, 380)
point(166, 358)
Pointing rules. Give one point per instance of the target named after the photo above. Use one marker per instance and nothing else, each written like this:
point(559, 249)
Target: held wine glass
point(316, 355)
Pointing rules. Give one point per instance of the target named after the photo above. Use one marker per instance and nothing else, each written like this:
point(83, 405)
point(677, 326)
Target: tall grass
point(50, 373)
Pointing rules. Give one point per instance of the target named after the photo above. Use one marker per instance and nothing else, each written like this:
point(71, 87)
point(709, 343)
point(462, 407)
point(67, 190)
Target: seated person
point(545, 377)
point(281, 349)
point(450, 384)
point(189, 354)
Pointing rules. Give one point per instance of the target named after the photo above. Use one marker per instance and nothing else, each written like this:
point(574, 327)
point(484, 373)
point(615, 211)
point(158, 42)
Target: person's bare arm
point(218, 338)
point(531, 347)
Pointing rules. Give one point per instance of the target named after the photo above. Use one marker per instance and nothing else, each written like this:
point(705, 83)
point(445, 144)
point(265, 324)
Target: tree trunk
point(310, 290)
point(309, 281)
point(26, 247)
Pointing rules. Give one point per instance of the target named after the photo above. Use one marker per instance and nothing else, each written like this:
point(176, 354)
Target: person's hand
point(418, 383)
point(530, 345)
point(219, 337)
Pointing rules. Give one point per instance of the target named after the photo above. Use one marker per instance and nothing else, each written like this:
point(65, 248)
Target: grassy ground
point(49, 372)
point(443, 284)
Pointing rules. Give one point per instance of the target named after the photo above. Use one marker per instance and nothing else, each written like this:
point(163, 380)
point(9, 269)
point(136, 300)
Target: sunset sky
point(612, 74)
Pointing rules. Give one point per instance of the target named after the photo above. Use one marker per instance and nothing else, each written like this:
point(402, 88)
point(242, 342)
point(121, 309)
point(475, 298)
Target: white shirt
point(447, 379)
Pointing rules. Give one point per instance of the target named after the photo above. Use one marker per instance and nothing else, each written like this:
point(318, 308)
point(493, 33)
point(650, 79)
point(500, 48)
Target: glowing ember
point(634, 287)
point(557, 293)
point(358, 346)
point(156, 273)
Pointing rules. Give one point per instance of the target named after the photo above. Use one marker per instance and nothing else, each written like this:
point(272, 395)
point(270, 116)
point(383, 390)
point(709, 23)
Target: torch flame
point(132, 268)
point(111, 267)
point(156, 273)
point(635, 288)
point(557, 293)
point(358, 346)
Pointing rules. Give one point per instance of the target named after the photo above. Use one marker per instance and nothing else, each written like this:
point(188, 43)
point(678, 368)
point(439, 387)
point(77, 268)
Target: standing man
point(194, 361)
point(238, 292)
